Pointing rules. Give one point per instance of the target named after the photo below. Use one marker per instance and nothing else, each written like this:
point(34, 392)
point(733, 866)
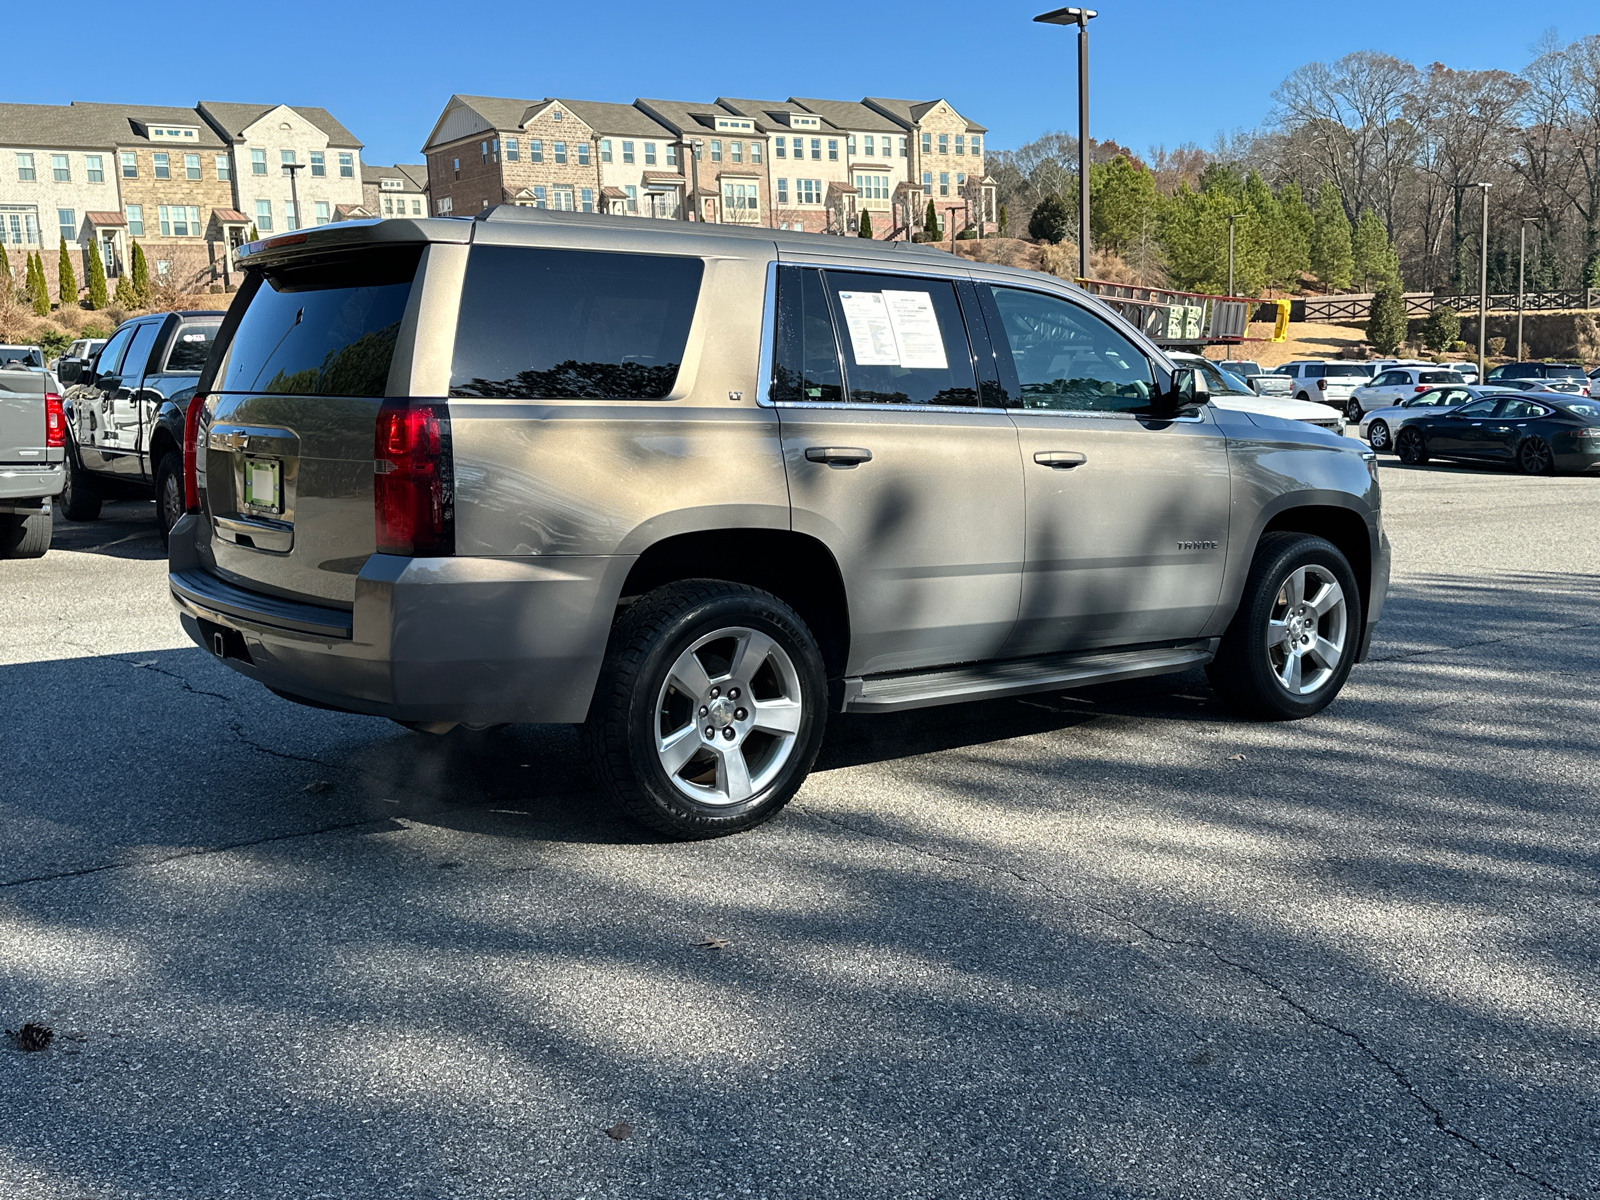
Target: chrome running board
point(1016, 677)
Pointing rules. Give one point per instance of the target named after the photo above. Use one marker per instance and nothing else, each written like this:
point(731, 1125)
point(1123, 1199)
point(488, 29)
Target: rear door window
point(322, 327)
point(190, 349)
point(138, 356)
point(805, 366)
point(540, 324)
point(903, 340)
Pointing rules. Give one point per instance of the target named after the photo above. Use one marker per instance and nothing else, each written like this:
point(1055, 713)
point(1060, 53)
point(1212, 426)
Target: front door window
point(1067, 359)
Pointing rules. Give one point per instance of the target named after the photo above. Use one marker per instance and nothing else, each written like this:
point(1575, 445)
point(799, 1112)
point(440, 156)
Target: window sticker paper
point(872, 336)
point(916, 330)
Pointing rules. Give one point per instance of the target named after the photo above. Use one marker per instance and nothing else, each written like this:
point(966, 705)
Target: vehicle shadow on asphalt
point(124, 529)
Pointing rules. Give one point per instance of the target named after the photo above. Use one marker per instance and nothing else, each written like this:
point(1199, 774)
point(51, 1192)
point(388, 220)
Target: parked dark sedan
point(1539, 432)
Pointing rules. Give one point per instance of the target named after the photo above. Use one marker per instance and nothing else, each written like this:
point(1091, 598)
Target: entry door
point(896, 467)
point(1127, 517)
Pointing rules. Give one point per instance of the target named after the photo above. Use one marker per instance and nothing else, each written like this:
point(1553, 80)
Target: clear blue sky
point(1162, 71)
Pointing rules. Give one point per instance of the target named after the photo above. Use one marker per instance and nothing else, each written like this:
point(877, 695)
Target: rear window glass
point(1550, 372)
point(541, 324)
point(190, 348)
point(1431, 376)
point(1346, 371)
point(326, 327)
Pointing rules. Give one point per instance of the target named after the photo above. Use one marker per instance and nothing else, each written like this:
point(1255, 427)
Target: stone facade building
point(265, 138)
point(397, 191)
point(796, 163)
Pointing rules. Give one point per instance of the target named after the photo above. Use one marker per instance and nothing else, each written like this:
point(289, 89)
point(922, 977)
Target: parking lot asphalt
point(1109, 943)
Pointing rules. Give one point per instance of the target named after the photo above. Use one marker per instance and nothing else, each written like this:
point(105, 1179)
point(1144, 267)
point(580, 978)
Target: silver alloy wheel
point(1307, 630)
point(1378, 435)
point(728, 716)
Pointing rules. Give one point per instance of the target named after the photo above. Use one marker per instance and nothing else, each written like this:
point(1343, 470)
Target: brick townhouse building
point(797, 163)
point(397, 191)
point(186, 183)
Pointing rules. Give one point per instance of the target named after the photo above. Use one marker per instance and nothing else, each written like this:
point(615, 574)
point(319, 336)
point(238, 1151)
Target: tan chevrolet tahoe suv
point(694, 487)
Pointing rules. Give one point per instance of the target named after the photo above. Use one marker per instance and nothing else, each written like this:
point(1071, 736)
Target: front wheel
point(1413, 451)
point(709, 709)
point(1534, 457)
point(1352, 411)
point(1378, 436)
point(1293, 640)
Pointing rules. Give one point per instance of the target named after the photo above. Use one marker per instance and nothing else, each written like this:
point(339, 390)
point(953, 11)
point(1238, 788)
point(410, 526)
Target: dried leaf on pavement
point(713, 943)
point(619, 1131)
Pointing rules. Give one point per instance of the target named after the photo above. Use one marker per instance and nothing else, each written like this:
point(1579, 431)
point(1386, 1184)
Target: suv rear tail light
point(191, 453)
point(1322, 385)
point(1422, 387)
point(414, 479)
point(55, 421)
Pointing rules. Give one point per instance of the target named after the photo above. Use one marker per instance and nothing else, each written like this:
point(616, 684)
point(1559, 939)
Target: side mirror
point(1189, 388)
point(67, 370)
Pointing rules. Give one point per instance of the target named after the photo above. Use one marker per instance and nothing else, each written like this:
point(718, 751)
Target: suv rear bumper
point(475, 640)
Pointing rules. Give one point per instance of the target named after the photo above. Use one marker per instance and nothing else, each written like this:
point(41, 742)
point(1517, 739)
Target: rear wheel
point(1292, 642)
point(169, 492)
point(24, 537)
point(709, 709)
point(1411, 448)
point(80, 496)
point(1378, 435)
point(1534, 457)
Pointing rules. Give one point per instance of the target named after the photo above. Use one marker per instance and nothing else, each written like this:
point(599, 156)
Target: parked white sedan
point(1380, 427)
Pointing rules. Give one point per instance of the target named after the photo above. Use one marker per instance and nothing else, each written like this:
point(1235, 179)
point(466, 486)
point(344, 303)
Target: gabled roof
point(130, 124)
point(683, 116)
point(413, 175)
point(456, 121)
point(233, 119)
point(63, 126)
point(623, 120)
point(848, 114)
point(907, 113)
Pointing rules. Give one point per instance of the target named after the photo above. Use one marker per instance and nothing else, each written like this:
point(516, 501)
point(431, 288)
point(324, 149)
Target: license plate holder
point(263, 486)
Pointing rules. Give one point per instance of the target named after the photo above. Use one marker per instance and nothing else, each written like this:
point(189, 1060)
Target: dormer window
point(555, 114)
point(169, 133)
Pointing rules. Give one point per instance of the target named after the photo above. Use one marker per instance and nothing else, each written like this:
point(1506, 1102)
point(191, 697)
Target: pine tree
point(1003, 221)
point(125, 296)
point(97, 278)
point(930, 223)
point(40, 291)
point(66, 279)
point(1051, 220)
point(141, 275)
point(1386, 326)
point(1331, 256)
point(1125, 203)
point(1442, 329)
point(1271, 229)
point(1374, 258)
point(6, 278)
point(1591, 270)
point(1194, 236)
point(866, 224)
point(1298, 224)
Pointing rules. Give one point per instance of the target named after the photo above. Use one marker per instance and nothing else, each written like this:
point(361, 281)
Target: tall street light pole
point(292, 170)
point(1483, 283)
point(1081, 18)
point(1522, 255)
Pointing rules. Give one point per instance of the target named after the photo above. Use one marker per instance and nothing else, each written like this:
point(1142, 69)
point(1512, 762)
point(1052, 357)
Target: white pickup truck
point(33, 432)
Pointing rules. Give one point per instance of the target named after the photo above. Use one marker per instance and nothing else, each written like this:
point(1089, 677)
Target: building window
point(68, 221)
point(163, 166)
point(535, 151)
point(850, 145)
point(902, 147)
point(513, 150)
point(977, 148)
point(779, 148)
point(224, 168)
point(716, 150)
point(291, 219)
point(816, 148)
point(833, 149)
point(586, 199)
point(286, 157)
point(808, 191)
point(927, 187)
point(191, 166)
point(263, 216)
point(944, 185)
point(388, 206)
point(60, 168)
point(583, 154)
point(556, 115)
point(672, 155)
point(560, 149)
point(633, 197)
point(755, 152)
point(960, 179)
point(178, 221)
point(136, 220)
point(961, 147)
point(927, 143)
point(736, 152)
point(416, 207)
point(873, 187)
point(944, 148)
point(347, 166)
point(258, 162)
point(649, 154)
point(605, 150)
point(627, 152)
point(783, 191)
point(95, 166)
point(130, 165)
point(323, 216)
point(446, 206)
point(319, 166)
point(539, 197)
point(868, 144)
point(455, 165)
point(483, 151)
point(25, 167)
point(561, 200)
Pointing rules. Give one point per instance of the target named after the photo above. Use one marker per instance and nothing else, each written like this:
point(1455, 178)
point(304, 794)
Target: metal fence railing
point(1171, 318)
point(1358, 306)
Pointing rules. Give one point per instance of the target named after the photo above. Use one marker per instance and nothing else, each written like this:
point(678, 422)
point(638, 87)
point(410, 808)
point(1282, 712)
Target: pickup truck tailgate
point(22, 432)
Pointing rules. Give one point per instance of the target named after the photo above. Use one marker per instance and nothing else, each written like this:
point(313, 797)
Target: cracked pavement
point(1109, 943)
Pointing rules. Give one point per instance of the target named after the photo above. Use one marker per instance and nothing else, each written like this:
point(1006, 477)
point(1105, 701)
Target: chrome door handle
point(1060, 460)
point(838, 456)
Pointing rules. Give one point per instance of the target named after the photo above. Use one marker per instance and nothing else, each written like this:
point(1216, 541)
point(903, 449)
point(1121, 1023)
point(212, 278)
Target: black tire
point(169, 492)
point(81, 496)
point(24, 537)
point(1534, 457)
point(1352, 411)
point(1245, 671)
point(635, 698)
point(1411, 448)
point(1378, 436)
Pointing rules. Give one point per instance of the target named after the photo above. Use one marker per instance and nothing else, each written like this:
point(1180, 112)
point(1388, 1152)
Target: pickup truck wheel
point(80, 496)
point(169, 492)
point(709, 709)
point(24, 537)
point(1293, 640)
